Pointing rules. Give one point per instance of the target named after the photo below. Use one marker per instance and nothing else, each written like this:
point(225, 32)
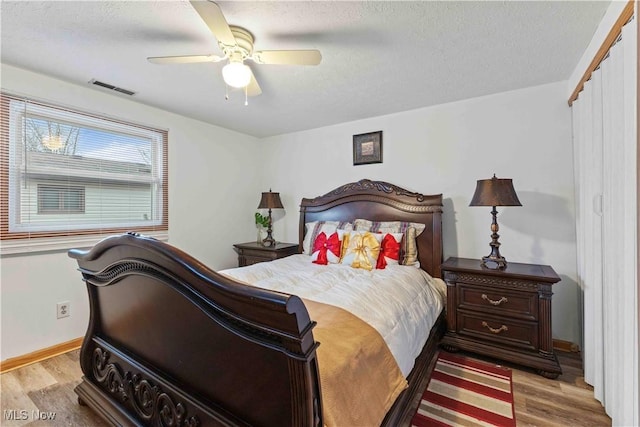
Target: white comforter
point(400, 302)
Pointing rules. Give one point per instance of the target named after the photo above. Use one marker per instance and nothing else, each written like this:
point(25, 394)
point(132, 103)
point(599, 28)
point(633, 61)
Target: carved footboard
point(171, 342)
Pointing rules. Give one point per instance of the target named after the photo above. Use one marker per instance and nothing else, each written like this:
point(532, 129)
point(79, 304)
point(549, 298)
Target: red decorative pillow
point(312, 229)
point(389, 250)
point(325, 249)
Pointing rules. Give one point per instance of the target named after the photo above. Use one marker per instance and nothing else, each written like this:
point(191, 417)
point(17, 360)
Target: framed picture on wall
point(367, 148)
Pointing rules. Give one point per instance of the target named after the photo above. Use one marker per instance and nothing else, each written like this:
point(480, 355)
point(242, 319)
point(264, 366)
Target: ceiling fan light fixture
point(236, 74)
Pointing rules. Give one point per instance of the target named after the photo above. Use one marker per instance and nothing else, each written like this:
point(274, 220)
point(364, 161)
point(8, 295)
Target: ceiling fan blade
point(293, 57)
point(184, 59)
point(253, 89)
point(212, 15)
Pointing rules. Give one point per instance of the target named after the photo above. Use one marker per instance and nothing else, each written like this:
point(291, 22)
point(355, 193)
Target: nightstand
point(253, 253)
point(505, 314)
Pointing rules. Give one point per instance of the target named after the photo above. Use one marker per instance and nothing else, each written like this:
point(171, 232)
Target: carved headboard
point(382, 201)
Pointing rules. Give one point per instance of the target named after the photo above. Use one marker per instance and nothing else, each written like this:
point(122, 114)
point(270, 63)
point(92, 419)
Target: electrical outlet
point(63, 309)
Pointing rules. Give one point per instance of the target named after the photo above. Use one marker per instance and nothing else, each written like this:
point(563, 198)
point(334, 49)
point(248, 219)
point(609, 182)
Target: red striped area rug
point(466, 392)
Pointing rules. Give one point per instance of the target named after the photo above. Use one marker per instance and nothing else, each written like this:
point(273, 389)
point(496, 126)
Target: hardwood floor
point(47, 387)
point(33, 392)
point(566, 401)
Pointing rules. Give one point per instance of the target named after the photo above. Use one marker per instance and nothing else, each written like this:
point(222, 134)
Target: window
point(54, 199)
point(69, 173)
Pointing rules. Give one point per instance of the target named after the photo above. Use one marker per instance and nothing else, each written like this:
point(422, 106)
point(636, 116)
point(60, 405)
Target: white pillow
point(386, 226)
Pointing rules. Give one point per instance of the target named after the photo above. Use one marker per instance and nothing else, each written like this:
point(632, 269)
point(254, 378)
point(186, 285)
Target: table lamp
point(495, 192)
point(270, 201)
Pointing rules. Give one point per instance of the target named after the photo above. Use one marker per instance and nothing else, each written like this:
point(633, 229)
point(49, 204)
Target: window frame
point(14, 240)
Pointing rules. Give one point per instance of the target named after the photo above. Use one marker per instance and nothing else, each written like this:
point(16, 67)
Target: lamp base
point(494, 260)
point(494, 263)
point(269, 241)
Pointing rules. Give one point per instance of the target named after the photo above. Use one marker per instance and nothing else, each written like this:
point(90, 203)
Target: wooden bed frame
point(171, 342)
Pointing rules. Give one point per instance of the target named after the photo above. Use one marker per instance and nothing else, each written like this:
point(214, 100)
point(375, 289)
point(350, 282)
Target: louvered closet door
point(605, 159)
point(587, 123)
point(619, 80)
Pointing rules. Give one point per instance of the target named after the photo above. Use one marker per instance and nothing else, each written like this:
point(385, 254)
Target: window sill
point(55, 244)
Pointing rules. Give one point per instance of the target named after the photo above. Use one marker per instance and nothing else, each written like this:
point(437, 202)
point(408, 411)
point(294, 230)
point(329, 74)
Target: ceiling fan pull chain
point(226, 92)
point(246, 97)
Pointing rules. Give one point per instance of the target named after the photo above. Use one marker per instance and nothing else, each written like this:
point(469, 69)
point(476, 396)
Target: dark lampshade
point(495, 192)
point(270, 200)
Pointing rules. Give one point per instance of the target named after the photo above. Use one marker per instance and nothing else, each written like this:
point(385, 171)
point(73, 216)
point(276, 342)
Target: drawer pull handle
point(492, 302)
point(493, 330)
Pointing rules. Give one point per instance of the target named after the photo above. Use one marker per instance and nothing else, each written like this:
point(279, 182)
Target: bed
point(171, 342)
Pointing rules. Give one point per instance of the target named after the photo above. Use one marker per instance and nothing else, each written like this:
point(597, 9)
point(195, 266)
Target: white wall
point(524, 135)
point(214, 187)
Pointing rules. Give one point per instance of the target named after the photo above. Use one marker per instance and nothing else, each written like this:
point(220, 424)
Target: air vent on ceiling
point(111, 87)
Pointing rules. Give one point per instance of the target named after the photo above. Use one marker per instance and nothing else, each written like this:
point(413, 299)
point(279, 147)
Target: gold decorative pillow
point(410, 248)
point(360, 249)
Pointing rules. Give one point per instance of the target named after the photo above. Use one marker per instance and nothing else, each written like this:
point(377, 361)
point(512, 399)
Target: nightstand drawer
point(248, 260)
point(500, 302)
point(260, 254)
point(502, 331)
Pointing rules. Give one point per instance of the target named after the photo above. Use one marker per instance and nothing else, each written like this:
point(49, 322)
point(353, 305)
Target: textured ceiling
point(378, 57)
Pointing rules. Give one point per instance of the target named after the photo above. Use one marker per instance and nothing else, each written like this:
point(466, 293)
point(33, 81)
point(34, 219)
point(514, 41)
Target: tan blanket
point(359, 376)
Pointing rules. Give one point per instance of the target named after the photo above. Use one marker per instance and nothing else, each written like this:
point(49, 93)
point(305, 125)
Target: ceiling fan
point(237, 45)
